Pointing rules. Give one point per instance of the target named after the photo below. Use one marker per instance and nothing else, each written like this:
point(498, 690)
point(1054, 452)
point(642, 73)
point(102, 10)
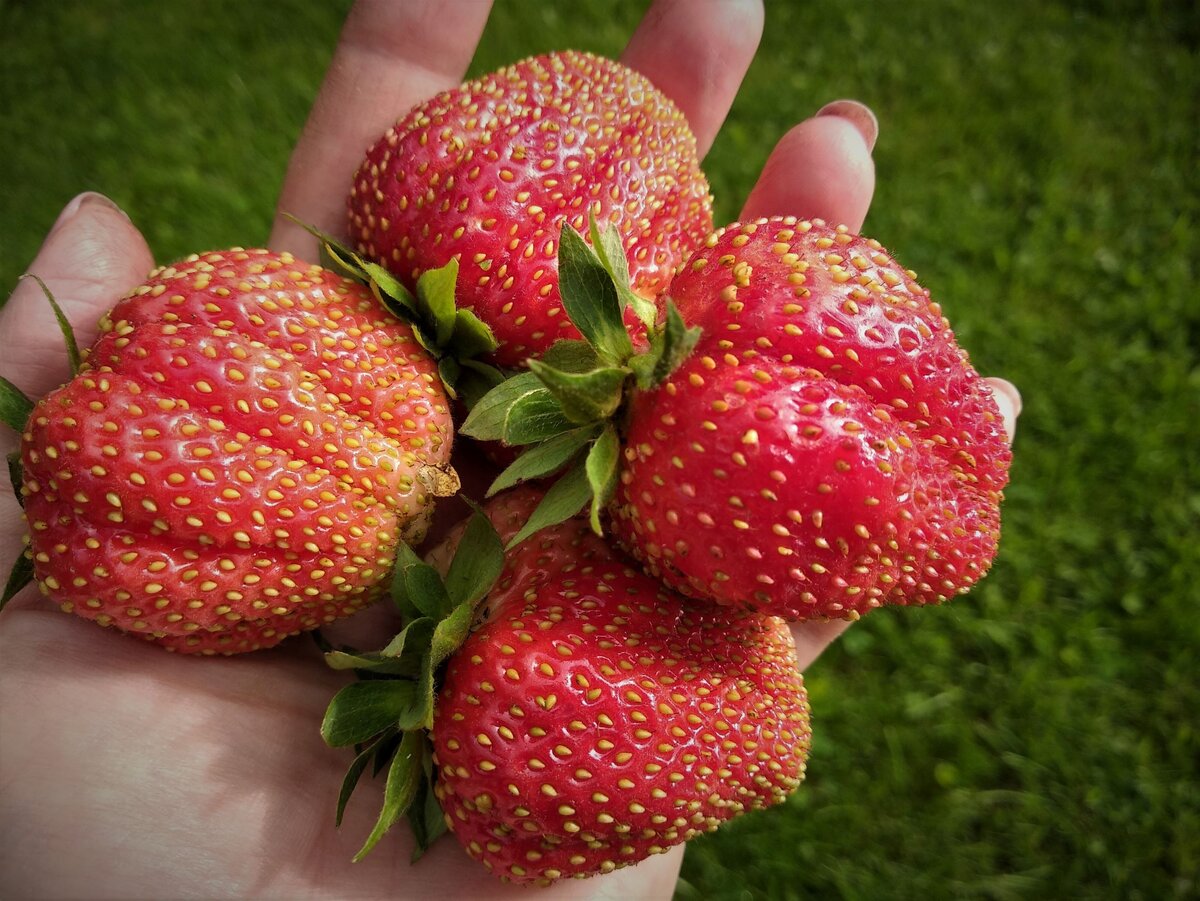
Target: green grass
point(1037, 739)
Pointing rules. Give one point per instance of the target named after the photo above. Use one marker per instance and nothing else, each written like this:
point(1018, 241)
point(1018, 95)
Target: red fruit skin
point(488, 172)
point(247, 441)
point(828, 447)
point(595, 719)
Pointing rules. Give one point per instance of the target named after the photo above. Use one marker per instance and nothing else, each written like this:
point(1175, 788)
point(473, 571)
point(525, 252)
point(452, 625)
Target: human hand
point(130, 772)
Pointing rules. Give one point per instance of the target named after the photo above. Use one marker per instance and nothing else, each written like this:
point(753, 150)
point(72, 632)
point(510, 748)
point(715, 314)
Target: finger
point(1008, 399)
point(814, 637)
point(697, 52)
point(91, 257)
point(821, 169)
point(390, 57)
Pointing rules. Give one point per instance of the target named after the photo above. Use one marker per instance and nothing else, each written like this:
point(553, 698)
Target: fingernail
point(1008, 399)
point(1010, 390)
point(857, 114)
point(79, 201)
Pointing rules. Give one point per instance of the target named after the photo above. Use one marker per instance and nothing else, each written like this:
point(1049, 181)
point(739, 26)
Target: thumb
point(91, 257)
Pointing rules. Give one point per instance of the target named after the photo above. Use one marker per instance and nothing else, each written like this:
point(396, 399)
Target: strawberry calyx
point(387, 714)
point(457, 338)
point(567, 408)
point(15, 410)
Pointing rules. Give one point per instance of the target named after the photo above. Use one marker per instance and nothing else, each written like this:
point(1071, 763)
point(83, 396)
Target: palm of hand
point(192, 777)
point(219, 759)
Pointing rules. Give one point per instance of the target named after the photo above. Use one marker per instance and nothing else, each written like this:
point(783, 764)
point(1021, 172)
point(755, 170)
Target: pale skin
point(129, 772)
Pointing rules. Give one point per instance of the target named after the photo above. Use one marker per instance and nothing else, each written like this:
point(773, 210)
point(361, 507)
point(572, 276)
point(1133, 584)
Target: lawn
point(1037, 166)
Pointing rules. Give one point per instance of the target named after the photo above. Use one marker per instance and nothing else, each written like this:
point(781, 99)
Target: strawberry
point(595, 719)
point(827, 448)
point(247, 442)
point(486, 174)
point(804, 435)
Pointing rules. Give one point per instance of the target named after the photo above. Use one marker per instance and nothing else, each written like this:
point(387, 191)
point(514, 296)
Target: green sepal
point(365, 708)
point(423, 714)
point(541, 460)
point(571, 355)
point(372, 661)
point(611, 253)
point(670, 345)
point(427, 590)
point(16, 476)
point(425, 816)
point(15, 407)
point(393, 711)
point(435, 298)
point(355, 771)
point(590, 297)
point(64, 324)
point(583, 397)
point(602, 465)
point(562, 500)
point(677, 343)
point(19, 576)
point(475, 380)
point(488, 419)
point(411, 639)
point(388, 289)
point(404, 776)
point(401, 657)
point(417, 589)
point(520, 410)
point(477, 562)
point(471, 337)
point(535, 417)
point(437, 324)
point(451, 632)
point(449, 371)
point(384, 749)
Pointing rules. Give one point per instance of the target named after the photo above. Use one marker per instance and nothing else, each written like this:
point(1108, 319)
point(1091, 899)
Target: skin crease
point(129, 772)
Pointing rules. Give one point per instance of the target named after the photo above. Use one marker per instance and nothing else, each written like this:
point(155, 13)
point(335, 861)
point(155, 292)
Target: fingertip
point(857, 114)
point(697, 52)
point(92, 255)
point(92, 246)
point(822, 168)
point(812, 638)
point(1008, 399)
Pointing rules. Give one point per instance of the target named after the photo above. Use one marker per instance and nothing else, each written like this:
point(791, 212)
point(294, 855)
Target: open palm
point(129, 772)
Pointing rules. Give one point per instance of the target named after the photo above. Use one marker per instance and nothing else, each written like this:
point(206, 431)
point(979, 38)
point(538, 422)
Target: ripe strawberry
point(595, 719)
point(827, 448)
point(247, 442)
point(486, 173)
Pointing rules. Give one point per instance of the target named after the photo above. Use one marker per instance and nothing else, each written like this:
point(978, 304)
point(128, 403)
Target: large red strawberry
point(595, 719)
point(815, 444)
point(248, 441)
point(487, 173)
point(827, 448)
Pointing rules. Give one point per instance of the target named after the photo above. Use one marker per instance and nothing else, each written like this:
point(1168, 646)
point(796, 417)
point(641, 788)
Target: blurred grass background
point(1037, 167)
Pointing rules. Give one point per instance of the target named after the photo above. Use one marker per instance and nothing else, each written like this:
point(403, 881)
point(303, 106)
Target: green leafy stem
point(457, 338)
point(388, 712)
point(566, 408)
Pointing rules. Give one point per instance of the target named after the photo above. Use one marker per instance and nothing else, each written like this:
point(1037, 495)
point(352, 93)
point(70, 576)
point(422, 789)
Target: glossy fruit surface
point(595, 719)
point(489, 171)
point(827, 447)
point(247, 441)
